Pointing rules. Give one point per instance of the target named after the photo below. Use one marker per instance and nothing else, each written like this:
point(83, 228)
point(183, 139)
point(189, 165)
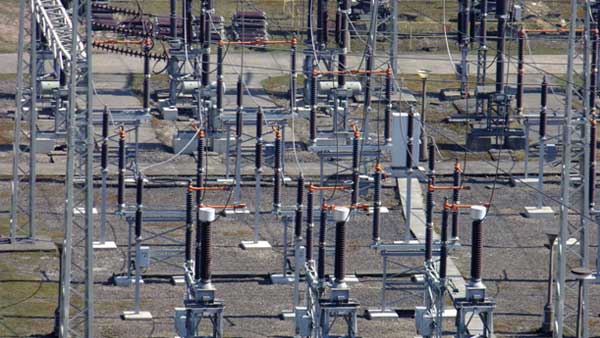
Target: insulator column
point(456, 181)
point(299, 209)
point(478, 214)
point(205, 26)
point(121, 174)
point(239, 125)
point(409, 137)
point(542, 142)
point(173, 19)
point(340, 215)
point(322, 242)
point(204, 252)
point(258, 151)
point(429, 222)
point(189, 222)
point(220, 77)
point(104, 154)
point(200, 171)
point(309, 224)
point(355, 167)
point(189, 18)
point(387, 123)
point(377, 203)
point(520, 71)
point(501, 15)
point(313, 107)
point(277, 174)
point(444, 240)
point(293, 74)
point(344, 11)
point(146, 103)
point(592, 175)
point(594, 67)
point(139, 205)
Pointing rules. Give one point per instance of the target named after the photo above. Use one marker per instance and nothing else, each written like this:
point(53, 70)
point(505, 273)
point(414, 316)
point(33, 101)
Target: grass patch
point(27, 299)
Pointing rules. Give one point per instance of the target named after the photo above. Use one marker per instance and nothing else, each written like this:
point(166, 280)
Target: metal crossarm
point(56, 25)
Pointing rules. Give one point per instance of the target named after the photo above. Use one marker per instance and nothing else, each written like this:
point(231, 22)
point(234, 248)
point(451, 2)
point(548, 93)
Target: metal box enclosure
point(400, 140)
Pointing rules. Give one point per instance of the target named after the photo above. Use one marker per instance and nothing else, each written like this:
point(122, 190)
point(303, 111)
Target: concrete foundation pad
point(281, 279)
point(237, 211)
point(535, 212)
point(178, 280)
point(382, 210)
point(132, 315)
point(378, 314)
point(251, 245)
point(288, 314)
point(81, 211)
point(526, 181)
point(107, 245)
point(26, 245)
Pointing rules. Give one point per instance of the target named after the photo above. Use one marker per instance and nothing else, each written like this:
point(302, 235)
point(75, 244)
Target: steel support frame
point(574, 192)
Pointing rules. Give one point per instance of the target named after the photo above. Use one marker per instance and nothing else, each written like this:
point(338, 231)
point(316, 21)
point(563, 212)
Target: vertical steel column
point(423, 136)
point(33, 116)
point(394, 39)
point(463, 40)
point(481, 53)
point(19, 114)
point(344, 42)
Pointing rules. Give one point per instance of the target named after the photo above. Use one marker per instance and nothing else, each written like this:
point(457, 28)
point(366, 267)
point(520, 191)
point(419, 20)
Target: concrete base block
point(382, 210)
point(378, 314)
point(107, 245)
point(526, 181)
point(132, 315)
point(535, 212)
point(169, 113)
point(177, 280)
point(251, 245)
point(288, 314)
point(126, 281)
point(81, 211)
point(281, 279)
point(237, 211)
point(220, 144)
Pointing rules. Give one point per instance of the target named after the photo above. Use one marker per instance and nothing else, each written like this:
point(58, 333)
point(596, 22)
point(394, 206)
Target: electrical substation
point(299, 168)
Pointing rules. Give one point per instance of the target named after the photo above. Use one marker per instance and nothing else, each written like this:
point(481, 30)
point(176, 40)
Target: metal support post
point(103, 243)
point(551, 233)
point(239, 124)
point(121, 173)
point(409, 170)
point(277, 173)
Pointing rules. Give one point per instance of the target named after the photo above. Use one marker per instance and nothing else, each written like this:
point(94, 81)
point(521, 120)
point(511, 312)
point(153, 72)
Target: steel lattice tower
point(573, 240)
point(23, 166)
point(76, 287)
